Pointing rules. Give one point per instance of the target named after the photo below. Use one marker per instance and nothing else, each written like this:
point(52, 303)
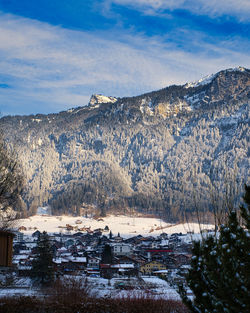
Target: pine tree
point(107, 255)
point(42, 265)
point(220, 268)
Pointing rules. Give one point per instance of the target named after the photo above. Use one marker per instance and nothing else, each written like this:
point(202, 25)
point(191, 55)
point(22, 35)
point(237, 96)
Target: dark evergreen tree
point(42, 265)
point(110, 235)
point(106, 228)
point(107, 255)
point(220, 268)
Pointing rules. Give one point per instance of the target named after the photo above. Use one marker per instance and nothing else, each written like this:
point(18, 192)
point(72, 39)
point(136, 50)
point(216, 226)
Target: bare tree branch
point(11, 183)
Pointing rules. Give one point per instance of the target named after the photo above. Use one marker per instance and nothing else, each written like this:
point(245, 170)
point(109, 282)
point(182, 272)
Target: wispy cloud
point(239, 9)
point(49, 68)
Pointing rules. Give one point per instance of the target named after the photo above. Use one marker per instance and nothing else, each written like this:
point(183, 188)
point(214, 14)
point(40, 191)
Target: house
point(69, 227)
point(93, 262)
point(170, 261)
point(117, 238)
point(23, 262)
point(156, 254)
point(69, 264)
point(109, 270)
point(126, 269)
point(69, 243)
point(36, 234)
point(124, 259)
point(182, 259)
point(122, 249)
point(149, 267)
point(6, 247)
point(106, 271)
point(22, 228)
point(183, 270)
point(18, 236)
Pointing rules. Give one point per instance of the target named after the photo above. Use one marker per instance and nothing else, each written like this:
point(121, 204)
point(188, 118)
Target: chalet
point(69, 242)
point(163, 236)
point(122, 249)
point(84, 229)
point(117, 238)
point(124, 259)
point(69, 264)
point(36, 234)
point(109, 270)
point(78, 234)
point(182, 259)
point(170, 261)
point(18, 236)
point(152, 266)
point(6, 247)
point(127, 269)
point(69, 227)
point(133, 240)
point(106, 271)
point(98, 231)
point(93, 262)
point(22, 262)
point(161, 273)
point(183, 270)
point(22, 228)
point(156, 254)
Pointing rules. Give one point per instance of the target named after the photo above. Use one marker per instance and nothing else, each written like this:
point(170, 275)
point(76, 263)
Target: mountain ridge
point(148, 152)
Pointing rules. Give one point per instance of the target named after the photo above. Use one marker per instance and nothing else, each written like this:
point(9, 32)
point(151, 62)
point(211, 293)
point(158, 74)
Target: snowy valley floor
point(125, 225)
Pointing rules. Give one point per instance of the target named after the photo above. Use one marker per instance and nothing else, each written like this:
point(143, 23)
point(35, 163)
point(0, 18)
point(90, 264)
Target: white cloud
point(50, 68)
point(213, 8)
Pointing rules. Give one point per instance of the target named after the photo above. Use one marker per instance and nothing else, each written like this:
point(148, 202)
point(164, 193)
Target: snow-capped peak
point(96, 100)
point(201, 82)
point(236, 69)
point(207, 79)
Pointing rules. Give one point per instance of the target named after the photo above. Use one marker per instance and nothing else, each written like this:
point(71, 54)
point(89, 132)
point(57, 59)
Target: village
point(101, 254)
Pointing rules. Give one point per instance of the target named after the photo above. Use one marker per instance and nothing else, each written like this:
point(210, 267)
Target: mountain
point(163, 152)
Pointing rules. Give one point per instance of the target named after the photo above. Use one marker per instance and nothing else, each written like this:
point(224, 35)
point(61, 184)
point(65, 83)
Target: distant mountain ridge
point(161, 152)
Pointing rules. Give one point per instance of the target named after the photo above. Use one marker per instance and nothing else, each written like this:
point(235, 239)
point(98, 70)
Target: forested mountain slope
point(158, 152)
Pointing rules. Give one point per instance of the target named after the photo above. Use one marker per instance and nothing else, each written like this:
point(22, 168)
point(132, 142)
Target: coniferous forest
point(171, 152)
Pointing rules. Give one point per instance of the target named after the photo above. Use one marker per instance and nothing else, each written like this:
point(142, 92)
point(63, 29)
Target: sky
point(54, 54)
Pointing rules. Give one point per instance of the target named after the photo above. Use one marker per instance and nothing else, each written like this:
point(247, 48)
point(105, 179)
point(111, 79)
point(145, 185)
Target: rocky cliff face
point(163, 151)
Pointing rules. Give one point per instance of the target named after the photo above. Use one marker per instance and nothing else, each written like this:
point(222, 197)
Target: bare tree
point(11, 183)
point(225, 194)
point(222, 198)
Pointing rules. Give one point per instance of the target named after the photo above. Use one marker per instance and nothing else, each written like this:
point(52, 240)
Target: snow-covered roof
point(131, 265)
point(77, 259)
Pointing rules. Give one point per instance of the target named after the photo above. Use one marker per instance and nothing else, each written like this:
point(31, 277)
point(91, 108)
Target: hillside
point(162, 152)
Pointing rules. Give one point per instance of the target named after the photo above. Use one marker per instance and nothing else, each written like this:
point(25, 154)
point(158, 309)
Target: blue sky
point(55, 54)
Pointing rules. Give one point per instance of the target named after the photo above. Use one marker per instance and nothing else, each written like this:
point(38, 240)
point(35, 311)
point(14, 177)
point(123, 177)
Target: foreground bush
point(90, 305)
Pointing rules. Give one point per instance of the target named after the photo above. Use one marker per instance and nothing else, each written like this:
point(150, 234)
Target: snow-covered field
point(148, 286)
point(126, 226)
